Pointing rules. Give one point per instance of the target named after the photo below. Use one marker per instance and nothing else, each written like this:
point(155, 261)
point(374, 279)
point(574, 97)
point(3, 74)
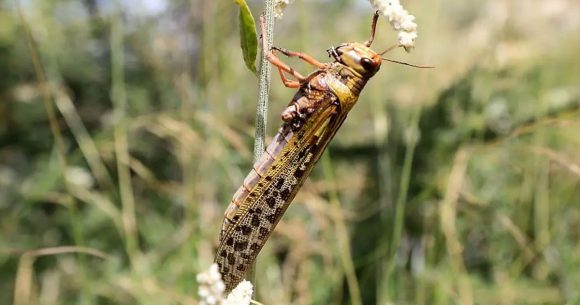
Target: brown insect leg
point(305, 57)
point(273, 59)
point(288, 82)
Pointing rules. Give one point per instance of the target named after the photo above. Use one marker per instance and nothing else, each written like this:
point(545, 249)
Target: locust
point(312, 118)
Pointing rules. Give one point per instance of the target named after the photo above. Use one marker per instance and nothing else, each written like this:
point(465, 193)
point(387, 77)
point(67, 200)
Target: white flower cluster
point(241, 295)
point(211, 289)
point(279, 7)
point(400, 20)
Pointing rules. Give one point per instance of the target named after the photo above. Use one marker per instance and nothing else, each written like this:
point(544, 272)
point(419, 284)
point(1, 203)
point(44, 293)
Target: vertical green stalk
point(342, 235)
point(264, 83)
point(264, 92)
point(411, 144)
point(405, 179)
point(119, 98)
point(45, 91)
point(47, 97)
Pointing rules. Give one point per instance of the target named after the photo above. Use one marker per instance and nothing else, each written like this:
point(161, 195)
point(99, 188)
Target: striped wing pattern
point(256, 217)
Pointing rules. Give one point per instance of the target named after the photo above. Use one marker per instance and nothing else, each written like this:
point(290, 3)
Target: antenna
point(389, 49)
point(407, 64)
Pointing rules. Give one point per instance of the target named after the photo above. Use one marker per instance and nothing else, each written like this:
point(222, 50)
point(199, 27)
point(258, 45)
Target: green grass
point(123, 137)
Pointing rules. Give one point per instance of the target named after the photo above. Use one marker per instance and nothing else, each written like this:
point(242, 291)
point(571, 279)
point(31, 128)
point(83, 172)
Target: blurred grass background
point(125, 128)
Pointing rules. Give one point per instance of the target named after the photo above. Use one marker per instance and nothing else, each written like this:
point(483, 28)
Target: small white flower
point(210, 300)
point(409, 25)
point(241, 295)
point(214, 273)
point(203, 292)
point(407, 39)
point(400, 20)
point(220, 286)
point(279, 7)
point(211, 288)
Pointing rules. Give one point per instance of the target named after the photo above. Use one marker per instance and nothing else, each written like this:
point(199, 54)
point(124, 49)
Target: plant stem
point(399, 219)
point(59, 146)
point(341, 230)
point(119, 98)
point(264, 92)
point(264, 85)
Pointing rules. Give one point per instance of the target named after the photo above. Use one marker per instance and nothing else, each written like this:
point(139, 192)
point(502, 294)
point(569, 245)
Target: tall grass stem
point(342, 234)
point(119, 98)
point(264, 83)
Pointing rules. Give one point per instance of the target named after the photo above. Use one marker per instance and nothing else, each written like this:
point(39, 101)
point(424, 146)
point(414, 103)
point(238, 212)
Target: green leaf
point(248, 36)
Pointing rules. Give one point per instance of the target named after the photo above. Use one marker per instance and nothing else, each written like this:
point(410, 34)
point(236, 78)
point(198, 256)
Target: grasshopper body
point(311, 120)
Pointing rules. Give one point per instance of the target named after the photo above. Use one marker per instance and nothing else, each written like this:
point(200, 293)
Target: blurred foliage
point(126, 126)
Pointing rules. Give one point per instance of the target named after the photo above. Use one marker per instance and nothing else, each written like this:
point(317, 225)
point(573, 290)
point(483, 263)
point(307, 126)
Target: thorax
point(344, 82)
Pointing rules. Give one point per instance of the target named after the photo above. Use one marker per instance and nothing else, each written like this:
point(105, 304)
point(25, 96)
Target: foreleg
point(305, 57)
point(273, 59)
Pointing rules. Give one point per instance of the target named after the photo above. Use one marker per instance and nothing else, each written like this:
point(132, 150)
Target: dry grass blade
point(86, 143)
point(448, 214)
point(23, 289)
point(559, 158)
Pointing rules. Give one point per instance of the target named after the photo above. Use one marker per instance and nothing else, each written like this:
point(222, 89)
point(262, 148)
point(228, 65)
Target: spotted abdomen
point(251, 225)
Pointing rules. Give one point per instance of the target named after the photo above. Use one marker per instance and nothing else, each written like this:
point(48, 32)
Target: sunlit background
point(126, 126)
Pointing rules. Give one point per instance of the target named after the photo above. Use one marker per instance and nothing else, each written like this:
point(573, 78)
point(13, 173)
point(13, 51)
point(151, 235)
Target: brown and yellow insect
point(310, 121)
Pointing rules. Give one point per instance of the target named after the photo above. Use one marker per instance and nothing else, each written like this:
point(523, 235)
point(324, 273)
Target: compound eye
point(367, 63)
